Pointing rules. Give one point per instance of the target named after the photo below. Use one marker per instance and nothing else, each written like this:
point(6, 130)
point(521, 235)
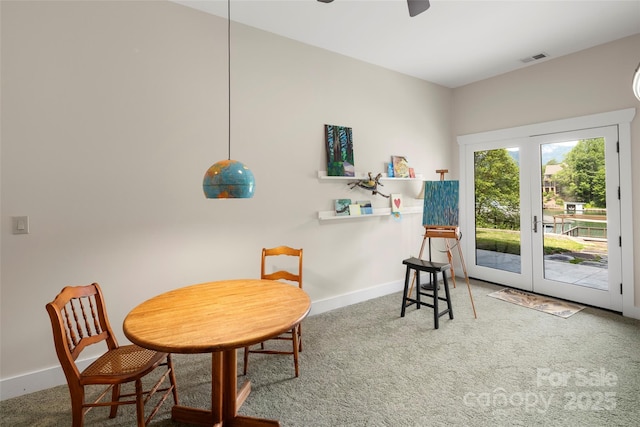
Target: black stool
point(430, 267)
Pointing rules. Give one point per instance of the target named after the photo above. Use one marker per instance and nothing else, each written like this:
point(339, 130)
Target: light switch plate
point(20, 224)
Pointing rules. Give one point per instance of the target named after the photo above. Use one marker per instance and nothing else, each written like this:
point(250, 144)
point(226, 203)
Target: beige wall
point(113, 111)
point(588, 82)
point(595, 80)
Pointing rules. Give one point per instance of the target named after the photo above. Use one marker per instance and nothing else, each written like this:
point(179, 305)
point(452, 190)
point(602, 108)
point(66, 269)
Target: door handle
point(535, 223)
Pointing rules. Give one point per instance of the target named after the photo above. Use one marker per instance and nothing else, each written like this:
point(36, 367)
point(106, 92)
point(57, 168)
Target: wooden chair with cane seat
point(79, 320)
point(290, 275)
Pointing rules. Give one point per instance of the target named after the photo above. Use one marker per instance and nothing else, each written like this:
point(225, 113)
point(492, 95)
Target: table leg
point(217, 386)
point(225, 398)
point(229, 393)
point(241, 421)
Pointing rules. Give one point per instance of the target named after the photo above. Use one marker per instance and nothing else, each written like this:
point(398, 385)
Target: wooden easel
point(446, 232)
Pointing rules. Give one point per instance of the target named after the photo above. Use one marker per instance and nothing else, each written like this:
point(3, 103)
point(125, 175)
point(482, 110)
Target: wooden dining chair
point(79, 320)
point(290, 275)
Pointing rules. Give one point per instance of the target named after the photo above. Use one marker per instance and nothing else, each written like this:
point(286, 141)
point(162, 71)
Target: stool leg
point(406, 290)
point(418, 289)
point(434, 278)
point(446, 292)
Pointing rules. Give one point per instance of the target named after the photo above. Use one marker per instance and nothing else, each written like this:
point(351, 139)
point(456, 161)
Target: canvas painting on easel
point(440, 220)
point(440, 203)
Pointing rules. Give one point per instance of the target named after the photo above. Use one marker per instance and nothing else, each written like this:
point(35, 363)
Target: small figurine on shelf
point(369, 184)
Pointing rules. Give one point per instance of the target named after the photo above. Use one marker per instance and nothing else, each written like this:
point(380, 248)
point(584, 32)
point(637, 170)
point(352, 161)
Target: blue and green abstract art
point(440, 203)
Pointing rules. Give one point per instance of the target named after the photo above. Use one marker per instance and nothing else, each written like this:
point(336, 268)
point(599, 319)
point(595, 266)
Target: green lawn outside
point(507, 241)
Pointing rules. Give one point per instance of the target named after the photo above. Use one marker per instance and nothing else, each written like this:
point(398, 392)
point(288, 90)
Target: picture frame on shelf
point(342, 207)
point(354, 209)
point(400, 166)
point(397, 203)
point(365, 207)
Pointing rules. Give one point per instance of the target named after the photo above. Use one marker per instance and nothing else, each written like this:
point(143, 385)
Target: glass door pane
point(497, 209)
point(497, 239)
point(575, 212)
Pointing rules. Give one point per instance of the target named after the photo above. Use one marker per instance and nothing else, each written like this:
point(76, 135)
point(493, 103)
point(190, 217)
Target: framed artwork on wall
point(339, 144)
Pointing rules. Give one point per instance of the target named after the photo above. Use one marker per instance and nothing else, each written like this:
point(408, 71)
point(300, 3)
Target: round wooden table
point(218, 318)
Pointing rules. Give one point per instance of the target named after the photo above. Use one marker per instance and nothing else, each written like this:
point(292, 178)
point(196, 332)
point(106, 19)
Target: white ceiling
point(454, 43)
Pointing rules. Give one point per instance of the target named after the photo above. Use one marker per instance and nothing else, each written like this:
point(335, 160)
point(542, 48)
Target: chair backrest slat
point(282, 274)
point(86, 323)
point(94, 316)
point(70, 330)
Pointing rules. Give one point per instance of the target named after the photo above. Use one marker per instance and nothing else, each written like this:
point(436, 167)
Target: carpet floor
point(364, 365)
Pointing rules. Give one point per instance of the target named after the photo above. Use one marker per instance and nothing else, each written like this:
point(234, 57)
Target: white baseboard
point(631, 311)
point(328, 304)
point(36, 381)
point(52, 377)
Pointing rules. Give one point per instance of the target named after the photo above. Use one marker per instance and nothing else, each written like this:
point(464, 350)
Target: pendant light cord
point(229, 72)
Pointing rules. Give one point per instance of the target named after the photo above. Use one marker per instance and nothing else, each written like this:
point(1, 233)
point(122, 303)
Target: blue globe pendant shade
point(228, 179)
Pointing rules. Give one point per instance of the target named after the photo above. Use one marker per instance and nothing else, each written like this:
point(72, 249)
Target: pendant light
point(228, 179)
point(636, 82)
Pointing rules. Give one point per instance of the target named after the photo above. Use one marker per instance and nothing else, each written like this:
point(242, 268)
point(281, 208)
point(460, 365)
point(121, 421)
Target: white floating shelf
point(361, 175)
point(331, 215)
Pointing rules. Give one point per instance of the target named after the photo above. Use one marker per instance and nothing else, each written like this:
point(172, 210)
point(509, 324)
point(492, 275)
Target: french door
point(542, 213)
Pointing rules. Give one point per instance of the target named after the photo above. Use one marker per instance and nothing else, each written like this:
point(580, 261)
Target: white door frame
point(621, 118)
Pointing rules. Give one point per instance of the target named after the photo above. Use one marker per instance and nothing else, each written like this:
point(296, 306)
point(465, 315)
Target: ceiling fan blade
point(416, 7)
